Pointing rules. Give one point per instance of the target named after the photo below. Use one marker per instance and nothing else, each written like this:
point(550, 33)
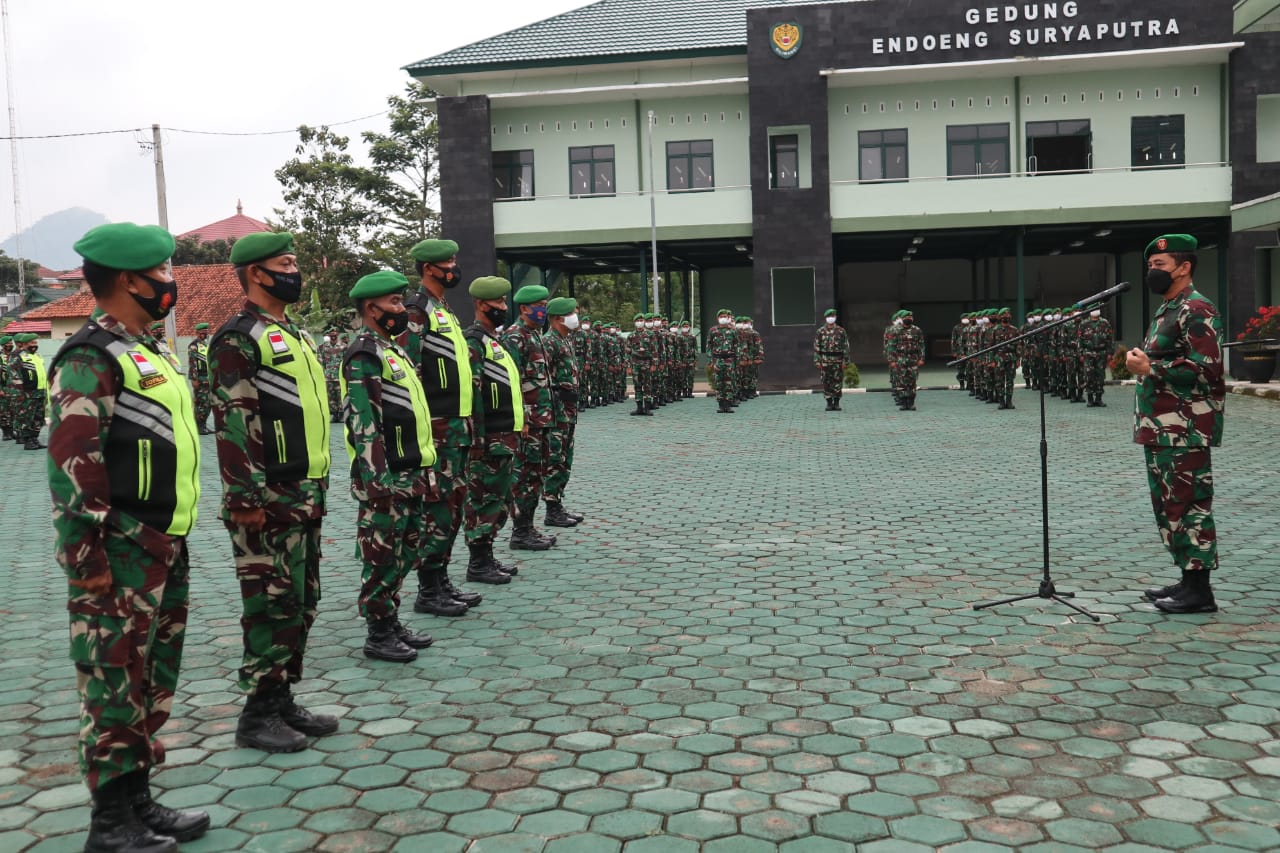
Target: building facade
point(870, 155)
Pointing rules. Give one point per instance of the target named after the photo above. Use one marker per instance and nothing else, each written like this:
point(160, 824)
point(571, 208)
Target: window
point(1159, 142)
point(689, 166)
point(793, 296)
point(512, 174)
point(1059, 146)
point(977, 149)
point(882, 155)
point(784, 161)
point(591, 170)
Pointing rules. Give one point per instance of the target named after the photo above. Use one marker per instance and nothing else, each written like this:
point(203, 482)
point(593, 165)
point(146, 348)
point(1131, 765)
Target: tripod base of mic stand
point(1048, 591)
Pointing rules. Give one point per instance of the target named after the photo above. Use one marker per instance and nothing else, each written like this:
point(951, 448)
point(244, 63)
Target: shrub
point(1116, 363)
point(851, 377)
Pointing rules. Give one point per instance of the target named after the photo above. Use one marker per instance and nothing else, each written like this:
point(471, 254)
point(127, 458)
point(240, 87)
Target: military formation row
point(23, 387)
point(737, 351)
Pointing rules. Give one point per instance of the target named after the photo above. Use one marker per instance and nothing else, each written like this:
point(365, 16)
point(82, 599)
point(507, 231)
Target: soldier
point(1097, 338)
point(389, 442)
point(910, 353)
point(330, 355)
point(1006, 358)
point(722, 343)
point(198, 373)
point(6, 393)
point(688, 358)
point(410, 341)
point(562, 370)
point(957, 347)
point(523, 339)
point(755, 347)
point(1027, 350)
point(121, 518)
point(444, 367)
point(830, 354)
point(270, 415)
point(740, 378)
point(1180, 399)
point(618, 362)
point(583, 346)
point(499, 422)
point(1072, 357)
point(890, 345)
point(641, 355)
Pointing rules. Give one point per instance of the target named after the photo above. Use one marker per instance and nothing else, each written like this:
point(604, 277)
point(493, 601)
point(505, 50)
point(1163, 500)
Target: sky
point(233, 66)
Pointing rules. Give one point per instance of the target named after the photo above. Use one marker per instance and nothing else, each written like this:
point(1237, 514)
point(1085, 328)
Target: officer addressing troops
point(390, 446)
point(1179, 405)
point(562, 370)
point(124, 475)
point(830, 354)
point(198, 372)
point(271, 417)
point(523, 339)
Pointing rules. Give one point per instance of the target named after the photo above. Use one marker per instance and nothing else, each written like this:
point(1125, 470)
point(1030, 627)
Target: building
point(869, 155)
point(230, 229)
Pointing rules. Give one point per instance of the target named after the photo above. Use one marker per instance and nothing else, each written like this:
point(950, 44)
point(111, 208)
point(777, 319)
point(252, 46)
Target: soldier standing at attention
point(910, 351)
point(1006, 360)
point(890, 342)
point(582, 351)
point(523, 339)
point(499, 422)
point(270, 413)
point(957, 346)
point(120, 534)
point(392, 454)
point(330, 354)
point(640, 351)
point(1179, 406)
point(444, 368)
point(6, 393)
point(1097, 338)
point(722, 343)
point(757, 358)
point(198, 372)
point(830, 354)
point(562, 370)
point(35, 390)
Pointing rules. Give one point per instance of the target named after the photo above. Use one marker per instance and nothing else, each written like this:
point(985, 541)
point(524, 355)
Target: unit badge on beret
point(1162, 244)
point(785, 39)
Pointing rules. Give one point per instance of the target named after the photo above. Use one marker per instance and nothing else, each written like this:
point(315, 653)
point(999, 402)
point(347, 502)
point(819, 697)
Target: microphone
point(1103, 295)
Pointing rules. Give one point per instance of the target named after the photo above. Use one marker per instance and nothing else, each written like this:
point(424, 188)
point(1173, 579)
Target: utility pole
point(653, 218)
point(13, 153)
point(162, 207)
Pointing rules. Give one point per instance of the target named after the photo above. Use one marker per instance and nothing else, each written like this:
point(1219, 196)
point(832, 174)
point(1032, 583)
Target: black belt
point(820, 352)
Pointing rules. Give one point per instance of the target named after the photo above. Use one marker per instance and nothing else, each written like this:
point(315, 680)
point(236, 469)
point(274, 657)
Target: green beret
point(685, 323)
point(530, 294)
point(638, 318)
point(6, 339)
point(434, 251)
point(724, 311)
point(1171, 243)
point(200, 327)
point(126, 246)
point(489, 287)
point(261, 245)
point(562, 305)
point(1004, 311)
point(830, 312)
point(378, 283)
point(24, 337)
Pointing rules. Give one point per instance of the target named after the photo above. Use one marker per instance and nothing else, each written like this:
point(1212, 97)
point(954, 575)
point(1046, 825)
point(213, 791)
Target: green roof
point(610, 30)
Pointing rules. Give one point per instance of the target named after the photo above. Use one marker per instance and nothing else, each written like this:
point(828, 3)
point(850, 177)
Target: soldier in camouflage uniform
point(1178, 408)
point(1005, 359)
point(562, 370)
point(890, 346)
point(830, 354)
point(389, 443)
point(957, 347)
point(688, 355)
point(641, 356)
point(198, 373)
point(115, 390)
point(722, 345)
point(499, 421)
point(271, 419)
point(1073, 359)
point(34, 384)
point(523, 339)
point(910, 353)
point(740, 378)
point(1096, 340)
point(6, 394)
point(755, 358)
point(583, 351)
point(330, 355)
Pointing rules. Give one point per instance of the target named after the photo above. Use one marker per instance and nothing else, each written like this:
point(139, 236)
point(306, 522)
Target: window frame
point(1155, 120)
point(511, 169)
point(977, 142)
point(592, 161)
point(690, 157)
point(794, 144)
point(883, 147)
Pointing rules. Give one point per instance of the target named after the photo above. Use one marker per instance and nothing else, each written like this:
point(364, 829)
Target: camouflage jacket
point(563, 371)
point(722, 343)
point(525, 343)
point(1096, 335)
point(891, 334)
point(830, 345)
point(910, 344)
point(1001, 332)
point(233, 368)
point(1180, 403)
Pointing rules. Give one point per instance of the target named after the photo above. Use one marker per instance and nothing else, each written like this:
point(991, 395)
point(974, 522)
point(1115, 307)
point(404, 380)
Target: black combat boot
point(412, 639)
point(261, 726)
point(576, 516)
point(910, 403)
point(549, 538)
point(1156, 593)
point(556, 516)
point(34, 444)
point(830, 405)
point(114, 826)
point(835, 404)
point(384, 644)
point(433, 598)
point(471, 599)
point(523, 538)
point(8, 434)
point(482, 568)
point(180, 826)
point(302, 720)
point(1196, 595)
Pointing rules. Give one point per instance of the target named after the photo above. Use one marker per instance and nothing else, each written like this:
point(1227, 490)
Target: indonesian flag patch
point(278, 343)
point(140, 361)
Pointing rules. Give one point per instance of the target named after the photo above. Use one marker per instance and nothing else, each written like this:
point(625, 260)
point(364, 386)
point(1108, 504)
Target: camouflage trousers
point(642, 378)
point(127, 649)
point(1181, 484)
point(389, 543)
point(559, 461)
point(279, 572)
point(445, 512)
point(530, 470)
point(907, 376)
point(832, 380)
point(333, 389)
point(725, 374)
point(490, 480)
point(28, 417)
point(1004, 373)
point(6, 416)
point(1095, 373)
point(203, 402)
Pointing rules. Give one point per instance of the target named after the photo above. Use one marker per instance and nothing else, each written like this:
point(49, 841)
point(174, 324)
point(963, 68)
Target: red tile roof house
point(230, 229)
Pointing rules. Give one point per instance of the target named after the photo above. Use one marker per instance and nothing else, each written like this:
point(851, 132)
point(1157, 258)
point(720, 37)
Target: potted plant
point(1261, 341)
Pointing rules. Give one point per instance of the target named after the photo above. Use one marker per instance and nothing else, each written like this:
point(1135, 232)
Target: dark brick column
point(466, 190)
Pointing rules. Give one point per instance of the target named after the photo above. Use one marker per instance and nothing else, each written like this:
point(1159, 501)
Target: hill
point(49, 240)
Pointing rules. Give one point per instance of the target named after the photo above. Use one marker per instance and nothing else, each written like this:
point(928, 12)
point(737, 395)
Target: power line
point(194, 132)
point(81, 133)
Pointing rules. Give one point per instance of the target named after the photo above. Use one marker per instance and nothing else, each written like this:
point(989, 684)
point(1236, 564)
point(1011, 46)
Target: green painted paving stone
point(667, 801)
point(583, 843)
point(284, 841)
point(702, 824)
point(661, 845)
point(1164, 833)
point(595, 801)
point(626, 824)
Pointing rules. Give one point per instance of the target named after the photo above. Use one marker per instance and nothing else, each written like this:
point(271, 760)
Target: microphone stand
point(1047, 588)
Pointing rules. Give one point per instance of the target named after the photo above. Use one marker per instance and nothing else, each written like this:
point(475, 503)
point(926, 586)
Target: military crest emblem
point(1162, 244)
point(785, 39)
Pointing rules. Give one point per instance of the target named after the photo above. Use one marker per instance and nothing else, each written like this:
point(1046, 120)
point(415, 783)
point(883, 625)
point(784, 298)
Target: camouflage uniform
point(1096, 340)
point(330, 355)
point(830, 353)
point(126, 643)
point(642, 357)
point(1005, 360)
point(755, 358)
point(890, 345)
point(29, 415)
point(584, 352)
point(957, 350)
point(525, 343)
point(722, 344)
point(910, 352)
point(562, 371)
point(278, 566)
point(1178, 411)
point(498, 424)
point(6, 389)
point(198, 373)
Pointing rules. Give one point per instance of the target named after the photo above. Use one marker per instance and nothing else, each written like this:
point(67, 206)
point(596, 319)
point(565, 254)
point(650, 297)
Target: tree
point(194, 251)
point(329, 213)
point(404, 162)
point(9, 273)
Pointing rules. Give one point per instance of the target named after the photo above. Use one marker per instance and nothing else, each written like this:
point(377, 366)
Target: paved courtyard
point(761, 639)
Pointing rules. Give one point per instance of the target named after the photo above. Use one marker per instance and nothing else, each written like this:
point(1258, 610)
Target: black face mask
point(393, 324)
point(496, 316)
point(164, 295)
point(1159, 281)
point(451, 278)
point(285, 286)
